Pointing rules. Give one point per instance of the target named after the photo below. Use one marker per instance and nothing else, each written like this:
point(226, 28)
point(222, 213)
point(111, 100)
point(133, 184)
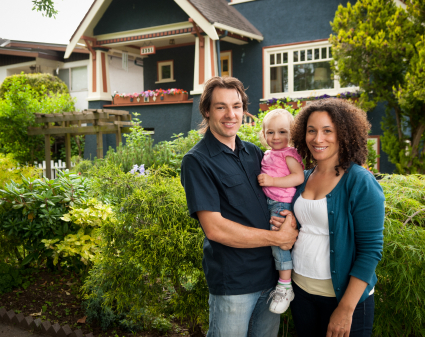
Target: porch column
point(206, 65)
point(98, 74)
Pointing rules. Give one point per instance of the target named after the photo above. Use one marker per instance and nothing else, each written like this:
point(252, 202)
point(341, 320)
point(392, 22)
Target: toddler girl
point(281, 170)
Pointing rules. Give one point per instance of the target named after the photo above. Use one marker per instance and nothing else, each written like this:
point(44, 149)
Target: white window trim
point(235, 2)
point(291, 93)
point(160, 64)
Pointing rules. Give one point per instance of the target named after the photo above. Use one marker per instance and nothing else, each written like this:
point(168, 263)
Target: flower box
point(158, 96)
point(302, 102)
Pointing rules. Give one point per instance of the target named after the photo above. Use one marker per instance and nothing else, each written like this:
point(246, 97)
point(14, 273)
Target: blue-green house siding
point(123, 15)
point(184, 59)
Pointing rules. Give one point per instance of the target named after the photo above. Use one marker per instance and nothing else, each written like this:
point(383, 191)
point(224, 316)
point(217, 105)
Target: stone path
point(11, 331)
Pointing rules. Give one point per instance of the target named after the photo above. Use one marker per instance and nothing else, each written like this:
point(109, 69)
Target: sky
point(19, 22)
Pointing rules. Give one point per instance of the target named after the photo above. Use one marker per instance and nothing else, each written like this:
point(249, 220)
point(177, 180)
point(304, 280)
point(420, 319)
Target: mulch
point(56, 297)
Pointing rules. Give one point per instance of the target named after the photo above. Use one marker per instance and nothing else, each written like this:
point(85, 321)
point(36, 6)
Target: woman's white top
point(310, 255)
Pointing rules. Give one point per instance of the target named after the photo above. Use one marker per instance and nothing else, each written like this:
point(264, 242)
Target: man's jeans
point(245, 315)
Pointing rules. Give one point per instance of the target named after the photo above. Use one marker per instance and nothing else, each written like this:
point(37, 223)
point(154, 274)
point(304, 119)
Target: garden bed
point(55, 297)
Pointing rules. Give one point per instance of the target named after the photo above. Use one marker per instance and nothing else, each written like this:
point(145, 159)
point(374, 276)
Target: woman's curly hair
point(351, 125)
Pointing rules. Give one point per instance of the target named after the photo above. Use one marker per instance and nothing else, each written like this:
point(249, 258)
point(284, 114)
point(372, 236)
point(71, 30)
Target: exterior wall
point(184, 59)
point(280, 22)
point(123, 15)
point(166, 120)
point(125, 81)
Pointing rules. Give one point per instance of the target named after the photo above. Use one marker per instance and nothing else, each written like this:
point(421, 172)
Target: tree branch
point(412, 216)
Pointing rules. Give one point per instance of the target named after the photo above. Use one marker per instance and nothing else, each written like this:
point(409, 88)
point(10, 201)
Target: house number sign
point(147, 50)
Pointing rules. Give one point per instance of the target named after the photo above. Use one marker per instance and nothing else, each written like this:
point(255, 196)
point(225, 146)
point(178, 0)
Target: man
point(219, 175)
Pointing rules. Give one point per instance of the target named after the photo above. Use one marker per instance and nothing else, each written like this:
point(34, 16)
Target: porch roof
point(209, 15)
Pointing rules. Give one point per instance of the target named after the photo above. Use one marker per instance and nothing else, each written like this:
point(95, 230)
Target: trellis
point(103, 121)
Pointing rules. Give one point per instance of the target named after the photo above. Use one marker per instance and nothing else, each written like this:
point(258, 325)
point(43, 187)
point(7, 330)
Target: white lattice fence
point(55, 167)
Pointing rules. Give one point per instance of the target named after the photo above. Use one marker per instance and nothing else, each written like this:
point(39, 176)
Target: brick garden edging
point(29, 323)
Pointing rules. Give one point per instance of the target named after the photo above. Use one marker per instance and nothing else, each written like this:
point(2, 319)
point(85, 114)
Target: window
point(300, 71)
point(226, 63)
point(74, 78)
point(165, 71)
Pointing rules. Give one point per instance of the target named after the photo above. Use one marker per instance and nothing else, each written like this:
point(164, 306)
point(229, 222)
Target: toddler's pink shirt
point(274, 164)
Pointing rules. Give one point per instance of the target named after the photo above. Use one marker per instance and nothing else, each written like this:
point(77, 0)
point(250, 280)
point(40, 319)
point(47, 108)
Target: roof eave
point(84, 25)
point(240, 32)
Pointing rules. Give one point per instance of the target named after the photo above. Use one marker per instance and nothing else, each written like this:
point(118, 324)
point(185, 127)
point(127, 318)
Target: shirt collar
point(215, 146)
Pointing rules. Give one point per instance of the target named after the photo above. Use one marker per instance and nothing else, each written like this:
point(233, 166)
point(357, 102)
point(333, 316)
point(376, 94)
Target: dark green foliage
point(31, 211)
point(9, 278)
point(379, 45)
point(400, 291)
point(40, 83)
point(152, 252)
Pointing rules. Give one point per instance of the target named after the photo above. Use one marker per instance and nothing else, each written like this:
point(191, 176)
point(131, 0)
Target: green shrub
point(32, 211)
point(10, 170)
point(9, 278)
point(400, 291)
point(151, 254)
point(40, 83)
point(17, 112)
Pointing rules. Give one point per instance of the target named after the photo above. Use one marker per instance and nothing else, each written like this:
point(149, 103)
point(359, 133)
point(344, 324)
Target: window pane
point(317, 54)
point(311, 76)
point(324, 53)
point(278, 58)
point(309, 55)
point(225, 65)
point(295, 56)
point(166, 72)
point(79, 79)
point(271, 58)
point(64, 76)
point(285, 57)
point(279, 79)
point(302, 55)
point(330, 52)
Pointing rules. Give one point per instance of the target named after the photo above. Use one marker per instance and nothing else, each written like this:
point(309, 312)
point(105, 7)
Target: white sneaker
point(281, 299)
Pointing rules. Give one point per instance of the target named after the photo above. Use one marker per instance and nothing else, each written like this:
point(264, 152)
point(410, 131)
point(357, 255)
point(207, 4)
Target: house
point(37, 57)
point(277, 48)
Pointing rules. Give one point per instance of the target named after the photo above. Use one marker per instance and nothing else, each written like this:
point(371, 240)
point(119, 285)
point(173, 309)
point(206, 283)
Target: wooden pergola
point(103, 121)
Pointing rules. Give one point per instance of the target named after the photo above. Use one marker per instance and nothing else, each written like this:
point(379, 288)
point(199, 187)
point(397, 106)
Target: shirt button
point(329, 195)
point(331, 233)
point(338, 289)
point(332, 212)
point(332, 251)
point(333, 272)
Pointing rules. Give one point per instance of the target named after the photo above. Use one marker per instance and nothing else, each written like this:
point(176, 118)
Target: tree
point(381, 47)
point(17, 112)
point(46, 7)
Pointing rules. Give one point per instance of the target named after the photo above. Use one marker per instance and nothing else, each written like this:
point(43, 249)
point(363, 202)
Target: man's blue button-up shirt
point(218, 180)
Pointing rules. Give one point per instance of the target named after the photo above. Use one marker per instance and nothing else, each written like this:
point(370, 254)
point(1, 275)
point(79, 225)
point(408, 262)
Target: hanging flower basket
point(151, 96)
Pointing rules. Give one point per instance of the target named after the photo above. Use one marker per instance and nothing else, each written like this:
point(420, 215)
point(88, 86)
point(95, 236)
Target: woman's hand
point(340, 322)
point(265, 180)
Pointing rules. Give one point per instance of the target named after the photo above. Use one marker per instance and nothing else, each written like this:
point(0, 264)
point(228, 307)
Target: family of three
point(324, 224)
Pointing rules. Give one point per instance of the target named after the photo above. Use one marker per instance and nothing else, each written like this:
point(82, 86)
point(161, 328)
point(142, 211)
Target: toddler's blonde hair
point(269, 116)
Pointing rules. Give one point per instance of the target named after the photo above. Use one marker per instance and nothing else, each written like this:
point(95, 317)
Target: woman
point(340, 214)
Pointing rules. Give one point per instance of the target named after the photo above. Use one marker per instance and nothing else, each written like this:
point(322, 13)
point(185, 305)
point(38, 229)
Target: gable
point(124, 15)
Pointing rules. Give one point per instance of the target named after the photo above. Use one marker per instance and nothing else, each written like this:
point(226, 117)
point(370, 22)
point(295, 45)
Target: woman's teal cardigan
point(356, 222)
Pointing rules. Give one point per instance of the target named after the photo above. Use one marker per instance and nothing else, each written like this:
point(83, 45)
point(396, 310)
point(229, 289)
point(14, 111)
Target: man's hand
point(288, 224)
point(265, 180)
point(286, 227)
